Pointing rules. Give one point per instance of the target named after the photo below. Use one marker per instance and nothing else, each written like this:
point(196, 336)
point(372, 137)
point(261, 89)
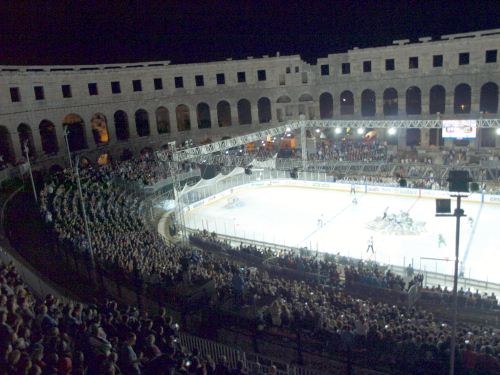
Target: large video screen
point(459, 129)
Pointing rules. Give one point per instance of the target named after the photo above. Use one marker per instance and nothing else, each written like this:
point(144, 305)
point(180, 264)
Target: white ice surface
point(289, 216)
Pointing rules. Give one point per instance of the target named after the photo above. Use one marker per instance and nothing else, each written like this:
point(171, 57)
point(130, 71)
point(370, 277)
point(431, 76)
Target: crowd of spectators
point(466, 299)
point(351, 150)
point(45, 336)
point(124, 244)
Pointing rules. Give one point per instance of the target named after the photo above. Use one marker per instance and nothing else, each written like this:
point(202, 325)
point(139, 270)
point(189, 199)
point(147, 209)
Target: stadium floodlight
point(498, 131)
point(360, 131)
point(391, 131)
point(338, 130)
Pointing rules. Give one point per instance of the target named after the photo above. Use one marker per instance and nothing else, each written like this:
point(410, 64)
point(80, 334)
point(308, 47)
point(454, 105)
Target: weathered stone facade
point(404, 80)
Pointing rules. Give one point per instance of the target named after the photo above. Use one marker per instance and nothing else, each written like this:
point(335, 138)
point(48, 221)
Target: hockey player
point(441, 241)
point(370, 245)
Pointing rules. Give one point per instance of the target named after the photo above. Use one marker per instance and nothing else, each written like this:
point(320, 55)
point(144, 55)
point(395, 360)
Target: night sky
point(89, 32)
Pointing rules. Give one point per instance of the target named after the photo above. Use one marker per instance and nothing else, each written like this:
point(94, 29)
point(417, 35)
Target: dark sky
point(87, 32)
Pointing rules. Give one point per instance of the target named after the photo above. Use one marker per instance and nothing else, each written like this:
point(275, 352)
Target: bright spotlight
point(360, 131)
point(498, 131)
point(391, 131)
point(338, 130)
point(317, 130)
point(288, 129)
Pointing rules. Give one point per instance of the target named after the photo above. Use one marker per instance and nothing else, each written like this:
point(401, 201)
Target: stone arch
point(99, 126)
point(306, 98)
point(121, 125)
point(488, 99)
point(390, 102)
point(264, 110)
point(162, 120)
point(182, 117)
point(413, 101)
point(326, 105)
point(6, 149)
point(346, 103)
point(368, 103)
point(462, 100)
point(437, 99)
point(244, 112)
point(76, 132)
point(203, 115)
point(48, 137)
point(142, 122)
point(284, 99)
point(26, 137)
point(223, 114)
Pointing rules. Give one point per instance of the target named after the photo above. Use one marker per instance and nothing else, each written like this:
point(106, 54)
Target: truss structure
point(290, 126)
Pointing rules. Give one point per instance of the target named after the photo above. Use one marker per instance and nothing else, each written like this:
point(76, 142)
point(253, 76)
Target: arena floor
point(290, 216)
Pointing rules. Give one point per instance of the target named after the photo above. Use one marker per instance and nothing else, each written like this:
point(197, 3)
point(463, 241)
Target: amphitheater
point(240, 197)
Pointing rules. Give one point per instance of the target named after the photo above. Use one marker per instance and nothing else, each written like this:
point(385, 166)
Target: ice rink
point(291, 216)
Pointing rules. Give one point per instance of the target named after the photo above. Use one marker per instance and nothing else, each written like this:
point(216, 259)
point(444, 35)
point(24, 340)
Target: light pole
point(85, 220)
point(66, 133)
point(458, 184)
point(27, 153)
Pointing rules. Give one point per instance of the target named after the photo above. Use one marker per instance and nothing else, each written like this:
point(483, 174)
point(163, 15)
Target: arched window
point(203, 114)
point(162, 120)
point(368, 103)
point(305, 98)
point(6, 150)
point(121, 125)
point(183, 119)
point(26, 136)
point(264, 110)
point(76, 132)
point(462, 98)
point(244, 112)
point(413, 101)
point(223, 114)
point(488, 101)
point(284, 99)
point(99, 126)
point(390, 102)
point(48, 137)
point(437, 99)
point(346, 103)
point(326, 105)
point(413, 137)
point(142, 123)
